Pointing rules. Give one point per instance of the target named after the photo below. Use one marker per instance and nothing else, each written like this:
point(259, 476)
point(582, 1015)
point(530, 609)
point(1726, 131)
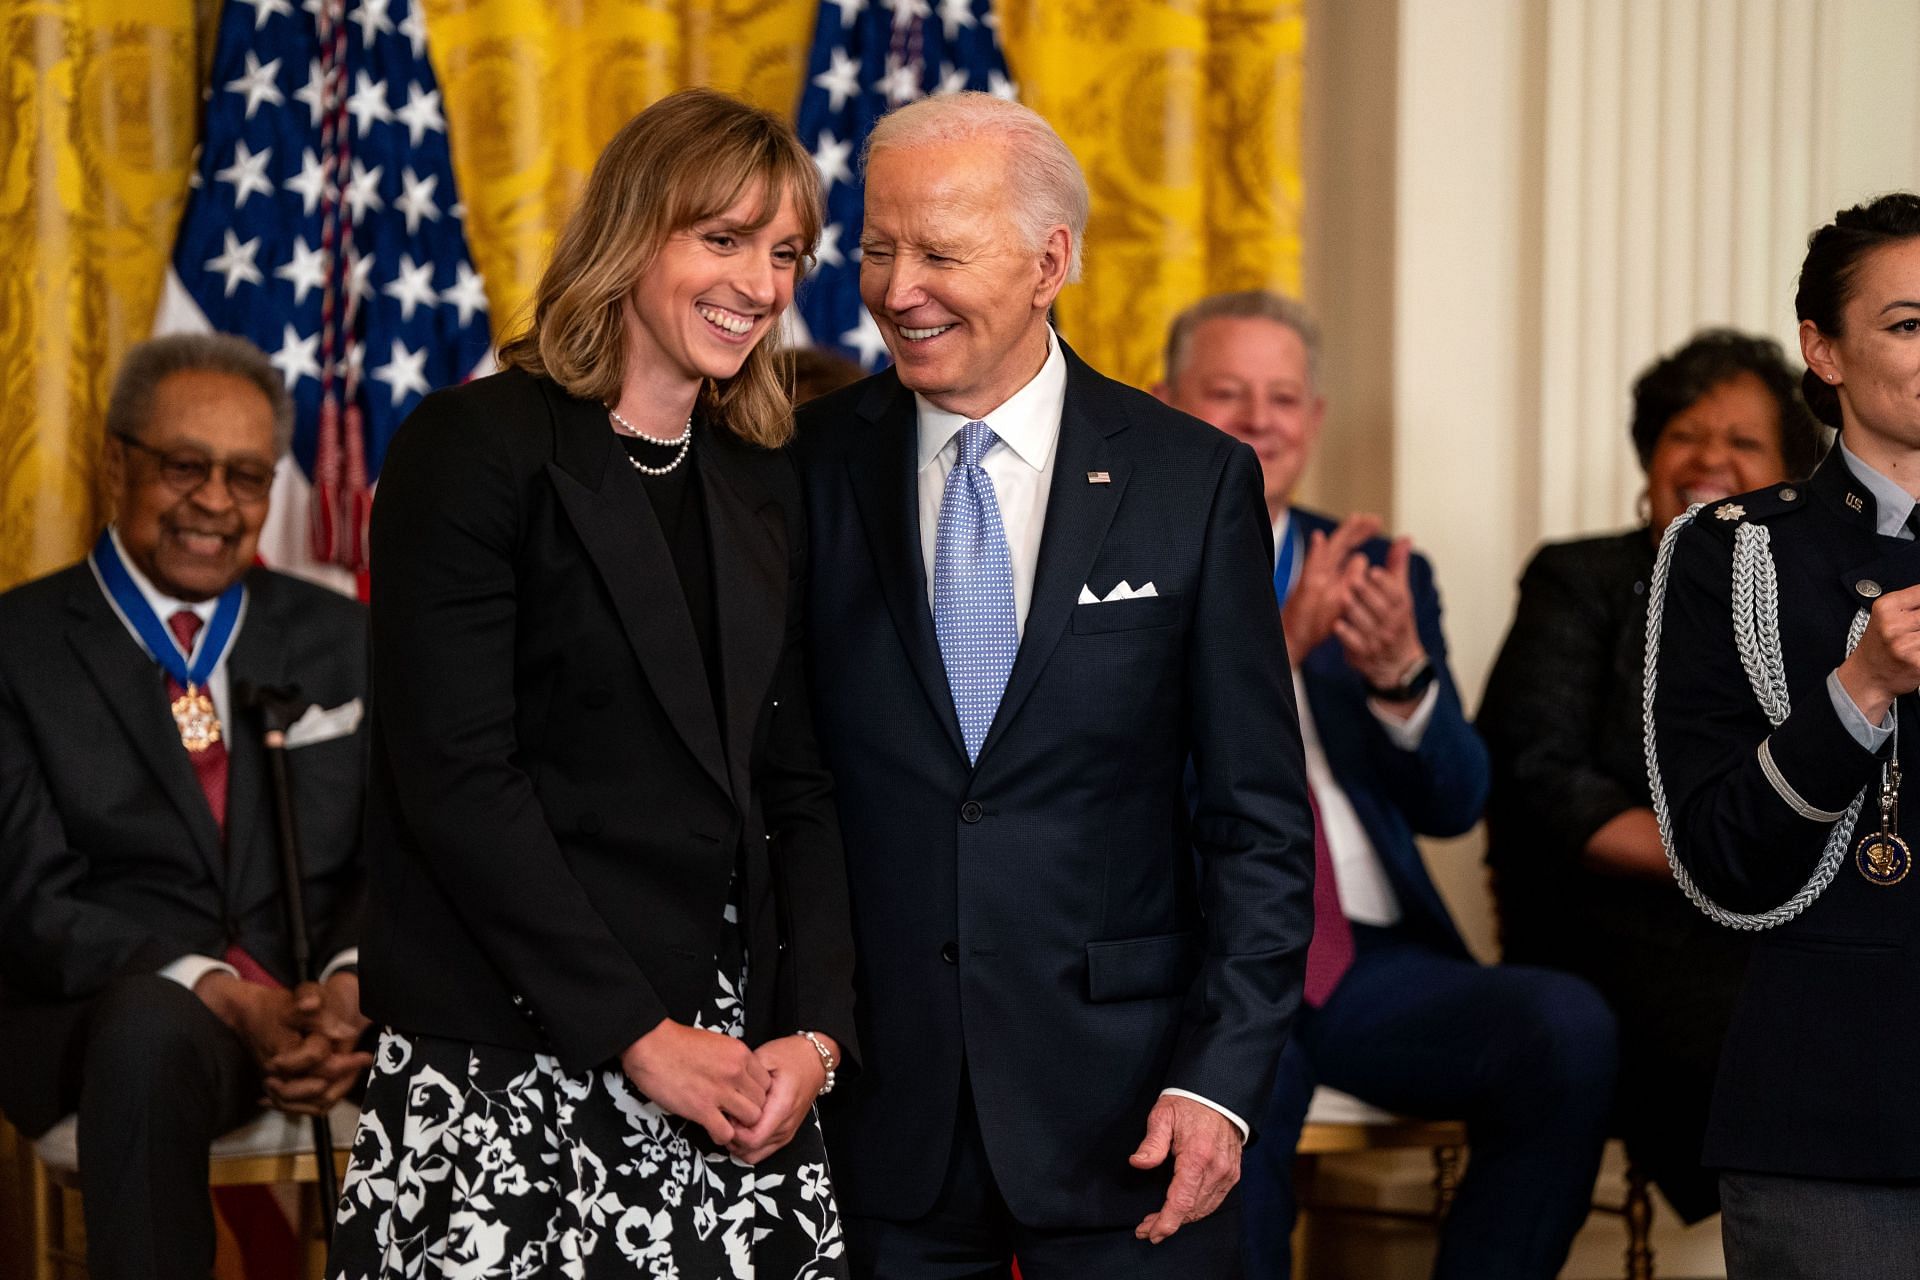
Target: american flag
point(870, 56)
point(323, 224)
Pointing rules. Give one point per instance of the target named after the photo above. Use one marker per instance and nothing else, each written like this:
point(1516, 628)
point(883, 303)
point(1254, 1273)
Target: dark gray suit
point(112, 867)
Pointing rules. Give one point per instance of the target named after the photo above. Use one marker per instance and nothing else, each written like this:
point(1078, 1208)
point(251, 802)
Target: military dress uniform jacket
point(1817, 1076)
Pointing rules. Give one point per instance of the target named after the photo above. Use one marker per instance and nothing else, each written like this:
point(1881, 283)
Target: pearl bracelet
point(827, 1059)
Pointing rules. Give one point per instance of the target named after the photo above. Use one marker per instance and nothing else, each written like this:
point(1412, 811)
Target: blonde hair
point(688, 157)
point(1048, 187)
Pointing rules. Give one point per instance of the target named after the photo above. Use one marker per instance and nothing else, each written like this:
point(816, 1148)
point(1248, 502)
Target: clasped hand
point(306, 1040)
point(750, 1101)
point(1367, 607)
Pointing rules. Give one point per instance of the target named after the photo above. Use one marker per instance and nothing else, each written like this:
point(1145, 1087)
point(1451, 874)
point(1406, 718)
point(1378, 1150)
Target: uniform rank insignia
point(1729, 511)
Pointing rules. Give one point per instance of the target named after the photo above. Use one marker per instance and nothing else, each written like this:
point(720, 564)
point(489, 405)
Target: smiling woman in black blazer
point(608, 934)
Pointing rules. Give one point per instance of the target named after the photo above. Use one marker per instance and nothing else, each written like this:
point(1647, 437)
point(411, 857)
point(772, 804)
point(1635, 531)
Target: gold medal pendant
point(1883, 858)
point(194, 716)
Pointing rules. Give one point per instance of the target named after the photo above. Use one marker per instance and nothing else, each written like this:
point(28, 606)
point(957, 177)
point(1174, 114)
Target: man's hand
point(309, 1077)
point(1206, 1163)
point(1377, 631)
point(798, 1076)
point(1887, 662)
point(1328, 576)
point(703, 1076)
point(263, 1017)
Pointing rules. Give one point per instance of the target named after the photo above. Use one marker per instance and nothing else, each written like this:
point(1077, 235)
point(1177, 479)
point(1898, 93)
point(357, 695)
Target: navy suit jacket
point(1437, 789)
point(1053, 928)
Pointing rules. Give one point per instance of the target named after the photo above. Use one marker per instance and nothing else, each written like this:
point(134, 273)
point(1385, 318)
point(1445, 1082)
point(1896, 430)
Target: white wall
point(1582, 184)
point(1513, 207)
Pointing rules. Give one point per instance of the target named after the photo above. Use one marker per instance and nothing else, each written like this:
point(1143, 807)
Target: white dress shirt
point(1366, 895)
point(189, 969)
point(1021, 468)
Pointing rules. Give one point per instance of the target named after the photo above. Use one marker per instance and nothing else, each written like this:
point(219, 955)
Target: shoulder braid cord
point(1756, 633)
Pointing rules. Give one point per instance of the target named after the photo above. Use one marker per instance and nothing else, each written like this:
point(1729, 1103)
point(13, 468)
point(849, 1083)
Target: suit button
point(950, 952)
point(971, 811)
point(589, 824)
point(598, 696)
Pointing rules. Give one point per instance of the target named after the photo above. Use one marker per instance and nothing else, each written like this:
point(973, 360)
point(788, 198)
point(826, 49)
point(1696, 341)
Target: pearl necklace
point(684, 440)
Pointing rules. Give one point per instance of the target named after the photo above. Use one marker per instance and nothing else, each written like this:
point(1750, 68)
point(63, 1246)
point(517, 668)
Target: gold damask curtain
point(1185, 113)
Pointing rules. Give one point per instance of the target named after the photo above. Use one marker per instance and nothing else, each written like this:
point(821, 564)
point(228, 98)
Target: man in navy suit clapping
point(1398, 1013)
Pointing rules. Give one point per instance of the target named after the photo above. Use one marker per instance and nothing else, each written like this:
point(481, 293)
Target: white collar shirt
point(1366, 895)
point(1020, 466)
point(164, 607)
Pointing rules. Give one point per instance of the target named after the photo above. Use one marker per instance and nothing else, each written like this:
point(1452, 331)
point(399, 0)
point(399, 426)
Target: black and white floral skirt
point(474, 1162)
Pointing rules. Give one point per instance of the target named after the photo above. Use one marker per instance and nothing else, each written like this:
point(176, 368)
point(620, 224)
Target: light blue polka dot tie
point(973, 590)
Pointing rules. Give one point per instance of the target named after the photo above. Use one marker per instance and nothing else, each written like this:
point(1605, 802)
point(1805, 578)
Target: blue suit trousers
point(1525, 1056)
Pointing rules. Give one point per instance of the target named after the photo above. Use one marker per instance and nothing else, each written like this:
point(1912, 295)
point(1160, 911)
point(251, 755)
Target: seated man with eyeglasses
point(146, 974)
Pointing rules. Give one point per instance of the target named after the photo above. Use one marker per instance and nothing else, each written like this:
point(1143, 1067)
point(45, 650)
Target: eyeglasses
point(186, 471)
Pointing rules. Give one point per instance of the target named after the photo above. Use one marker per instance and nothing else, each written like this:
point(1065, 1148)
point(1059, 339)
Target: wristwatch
point(1413, 682)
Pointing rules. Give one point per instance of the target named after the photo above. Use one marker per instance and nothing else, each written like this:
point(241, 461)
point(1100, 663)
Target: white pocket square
point(1122, 591)
point(315, 725)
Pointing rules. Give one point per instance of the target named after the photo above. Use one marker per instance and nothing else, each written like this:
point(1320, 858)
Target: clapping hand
point(1377, 630)
point(1329, 575)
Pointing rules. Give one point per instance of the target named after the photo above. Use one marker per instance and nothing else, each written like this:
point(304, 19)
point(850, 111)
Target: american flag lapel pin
point(1099, 477)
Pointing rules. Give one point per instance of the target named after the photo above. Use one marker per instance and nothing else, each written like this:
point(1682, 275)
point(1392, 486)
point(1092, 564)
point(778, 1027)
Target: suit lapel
point(750, 593)
point(259, 658)
point(135, 692)
point(882, 469)
point(1078, 515)
point(600, 493)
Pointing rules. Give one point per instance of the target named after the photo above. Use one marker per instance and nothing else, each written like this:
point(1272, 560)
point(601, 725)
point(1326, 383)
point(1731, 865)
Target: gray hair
point(1250, 304)
point(148, 364)
point(1049, 189)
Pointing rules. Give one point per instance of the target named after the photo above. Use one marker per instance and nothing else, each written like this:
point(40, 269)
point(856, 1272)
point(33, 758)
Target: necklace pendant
point(194, 716)
point(1882, 858)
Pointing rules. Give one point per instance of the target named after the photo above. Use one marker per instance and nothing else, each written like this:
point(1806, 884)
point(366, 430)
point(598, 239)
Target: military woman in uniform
point(1783, 653)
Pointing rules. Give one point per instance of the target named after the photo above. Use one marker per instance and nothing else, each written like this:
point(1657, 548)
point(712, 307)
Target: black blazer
point(1057, 925)
point(1563, 720)
point(556, 812)
point(1814, 1077)
point(111, 863)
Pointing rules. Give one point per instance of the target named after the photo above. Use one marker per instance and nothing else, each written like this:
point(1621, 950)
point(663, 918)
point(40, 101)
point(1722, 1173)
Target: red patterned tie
point(1331, 953)
point(210, 766)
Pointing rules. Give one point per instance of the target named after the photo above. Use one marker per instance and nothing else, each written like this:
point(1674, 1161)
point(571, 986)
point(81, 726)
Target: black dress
point(481, 1160)
point(1562, 723)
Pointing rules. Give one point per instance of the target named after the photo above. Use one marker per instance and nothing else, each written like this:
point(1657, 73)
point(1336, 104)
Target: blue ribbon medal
point(193, 710)
point(1283, 566)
